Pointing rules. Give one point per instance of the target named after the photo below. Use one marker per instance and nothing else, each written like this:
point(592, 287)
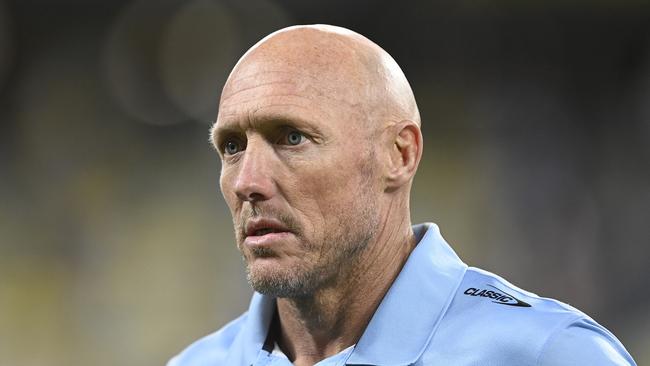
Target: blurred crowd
point(116, 247)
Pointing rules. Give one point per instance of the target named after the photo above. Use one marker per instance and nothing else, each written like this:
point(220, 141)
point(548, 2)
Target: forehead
point(258, 93)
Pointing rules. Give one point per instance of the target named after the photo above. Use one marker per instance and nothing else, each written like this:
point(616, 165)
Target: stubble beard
point(344, 248)
point(338, 252)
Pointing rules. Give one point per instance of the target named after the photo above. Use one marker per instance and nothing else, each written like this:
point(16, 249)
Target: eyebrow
point(216, 131)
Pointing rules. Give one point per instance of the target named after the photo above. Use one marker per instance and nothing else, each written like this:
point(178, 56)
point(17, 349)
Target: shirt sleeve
point(584, 342)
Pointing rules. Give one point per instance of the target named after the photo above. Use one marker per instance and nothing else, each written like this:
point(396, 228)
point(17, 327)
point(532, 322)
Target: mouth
point(264, 232)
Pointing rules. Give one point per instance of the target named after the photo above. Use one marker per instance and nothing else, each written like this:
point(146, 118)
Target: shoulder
point(504, 323)
point(583, 341)
point(211, 349)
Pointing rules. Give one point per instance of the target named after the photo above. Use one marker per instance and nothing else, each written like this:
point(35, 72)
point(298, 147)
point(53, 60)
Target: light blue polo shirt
point(438, 311)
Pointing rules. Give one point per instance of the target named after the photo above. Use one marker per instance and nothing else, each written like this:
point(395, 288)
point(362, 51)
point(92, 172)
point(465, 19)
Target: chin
point(276, 281)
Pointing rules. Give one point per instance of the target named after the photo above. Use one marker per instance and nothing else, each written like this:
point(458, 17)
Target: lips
point(264, 235)
point(259, 228)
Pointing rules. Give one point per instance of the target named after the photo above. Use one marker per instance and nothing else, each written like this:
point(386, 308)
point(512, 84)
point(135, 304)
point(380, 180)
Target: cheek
point(328, 191)
point(226, 185)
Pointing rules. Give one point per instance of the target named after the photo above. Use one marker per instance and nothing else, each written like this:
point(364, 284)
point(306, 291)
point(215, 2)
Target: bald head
point(334, 61)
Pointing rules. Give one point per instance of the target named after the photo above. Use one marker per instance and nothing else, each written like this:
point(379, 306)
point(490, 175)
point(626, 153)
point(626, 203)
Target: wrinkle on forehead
point(296, 85)
point(241, 83)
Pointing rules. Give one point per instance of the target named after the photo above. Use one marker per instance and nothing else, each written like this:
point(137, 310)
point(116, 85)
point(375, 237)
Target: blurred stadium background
point(116, 247)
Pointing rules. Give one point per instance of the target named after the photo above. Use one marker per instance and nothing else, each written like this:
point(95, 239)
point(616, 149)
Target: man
point(319, 136)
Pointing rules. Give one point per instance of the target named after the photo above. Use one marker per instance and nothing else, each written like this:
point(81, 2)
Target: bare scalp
point(323, 61)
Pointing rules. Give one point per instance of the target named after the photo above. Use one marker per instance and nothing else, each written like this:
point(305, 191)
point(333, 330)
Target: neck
point(324, 323)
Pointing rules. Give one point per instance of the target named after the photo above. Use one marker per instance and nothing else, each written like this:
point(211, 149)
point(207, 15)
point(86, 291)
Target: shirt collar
point(253, 335)
point(405, 320)
point(409, 314)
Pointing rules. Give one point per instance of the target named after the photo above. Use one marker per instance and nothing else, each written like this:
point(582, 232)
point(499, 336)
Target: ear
point(405, 153)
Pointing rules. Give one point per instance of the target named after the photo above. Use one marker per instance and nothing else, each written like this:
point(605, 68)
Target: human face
point(299, 176)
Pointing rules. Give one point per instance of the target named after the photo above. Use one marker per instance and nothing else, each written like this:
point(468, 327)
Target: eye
point(231, 147)
point(295, 138)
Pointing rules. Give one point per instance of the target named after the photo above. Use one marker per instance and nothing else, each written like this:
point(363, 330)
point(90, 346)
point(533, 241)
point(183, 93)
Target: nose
point(254, 181)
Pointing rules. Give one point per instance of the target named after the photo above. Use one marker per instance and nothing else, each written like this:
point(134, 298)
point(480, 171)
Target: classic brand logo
point(497, 295)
